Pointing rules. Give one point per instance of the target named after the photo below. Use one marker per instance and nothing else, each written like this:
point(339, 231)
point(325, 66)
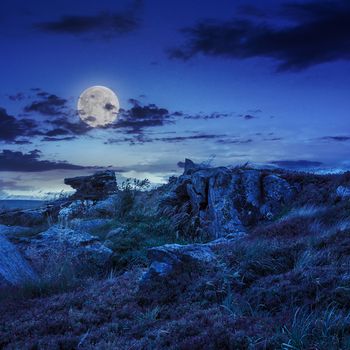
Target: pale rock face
point(251, 180)
point(223, 213)
point(104, 208)
point(14, 270)
point(217, 202)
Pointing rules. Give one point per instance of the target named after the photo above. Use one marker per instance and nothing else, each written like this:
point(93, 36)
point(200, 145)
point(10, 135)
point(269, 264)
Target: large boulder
point(277, 193)
point(108, 207)
point(218, 202)
point(94, 187)
point(343, 192)
point(66, 246)
point(172, 267)
point(92, 226)
point(223, 213)
point(14, 270)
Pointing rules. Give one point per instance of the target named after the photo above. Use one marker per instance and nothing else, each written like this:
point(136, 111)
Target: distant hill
point(19, 204)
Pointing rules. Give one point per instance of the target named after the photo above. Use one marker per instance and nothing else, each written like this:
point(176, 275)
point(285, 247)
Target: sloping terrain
point(216, 259)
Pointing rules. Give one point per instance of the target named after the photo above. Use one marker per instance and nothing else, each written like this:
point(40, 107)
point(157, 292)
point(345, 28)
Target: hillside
point(217, 258)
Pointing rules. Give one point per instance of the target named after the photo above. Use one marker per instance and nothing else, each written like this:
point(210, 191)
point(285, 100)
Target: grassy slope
point(286, 286)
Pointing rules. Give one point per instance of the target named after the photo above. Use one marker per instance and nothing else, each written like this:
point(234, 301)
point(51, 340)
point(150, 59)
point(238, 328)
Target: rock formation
point(215, 202)
point(14, 270)
point(93, 187)
point(80, 249)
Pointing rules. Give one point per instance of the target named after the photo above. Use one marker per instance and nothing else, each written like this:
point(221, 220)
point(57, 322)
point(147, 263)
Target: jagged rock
point(14, 270)
point(216, 202)
point(251, 180)
point(189, 167)
point(94, 187)
point(175, 258)
point(343, 192)
point(73, 210)
point(104, 208)
point(277, 192)
point(76, 248)
point(224, 216)
point(277, 189)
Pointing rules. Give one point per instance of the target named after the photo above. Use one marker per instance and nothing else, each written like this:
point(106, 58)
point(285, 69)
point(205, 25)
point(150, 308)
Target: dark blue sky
point(235, 79)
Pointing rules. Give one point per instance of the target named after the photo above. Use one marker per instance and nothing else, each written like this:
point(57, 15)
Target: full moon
point(98, 106)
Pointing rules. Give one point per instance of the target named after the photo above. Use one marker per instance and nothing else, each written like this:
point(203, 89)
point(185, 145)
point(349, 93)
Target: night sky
point(228, 81)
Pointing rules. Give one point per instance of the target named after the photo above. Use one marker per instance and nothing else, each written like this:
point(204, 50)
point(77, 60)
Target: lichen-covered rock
point(75, 209)
point(172, 266)
point(94, 187)
point(277, 189)
point(104, 208)
point(216, 202)
point(172, 259)
point(343, 192)
point(223, 213)
point(78, 248)
point(251, 180)
point(14, 270)
point(277, 192)
point(89, 225)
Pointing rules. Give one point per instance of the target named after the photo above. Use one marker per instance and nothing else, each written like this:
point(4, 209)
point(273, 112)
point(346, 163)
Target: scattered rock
point(172, 269)
point(175, 258)
point(94, 187)
point(14, 270)
point(343, 192)
point(67, 246)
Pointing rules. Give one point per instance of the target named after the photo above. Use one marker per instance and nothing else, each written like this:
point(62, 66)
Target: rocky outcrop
point(172, 258)
point(216, 202)
point(172, 268)
point(343, 192)
point(76, 248)
point(94, 187)
point(14, 270)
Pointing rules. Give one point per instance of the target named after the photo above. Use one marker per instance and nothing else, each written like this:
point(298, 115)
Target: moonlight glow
point(98, 106)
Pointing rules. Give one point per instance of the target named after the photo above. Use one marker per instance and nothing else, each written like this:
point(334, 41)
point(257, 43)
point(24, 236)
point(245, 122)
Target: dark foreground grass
point(285, 286)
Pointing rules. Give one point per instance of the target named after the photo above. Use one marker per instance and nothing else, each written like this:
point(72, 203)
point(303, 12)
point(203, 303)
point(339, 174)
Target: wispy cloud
point(103, 25)
point(31, 162)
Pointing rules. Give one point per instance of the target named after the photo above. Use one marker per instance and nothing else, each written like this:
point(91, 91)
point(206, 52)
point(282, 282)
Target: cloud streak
point(314, 33)
point(103, 25)
point(31, 162)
